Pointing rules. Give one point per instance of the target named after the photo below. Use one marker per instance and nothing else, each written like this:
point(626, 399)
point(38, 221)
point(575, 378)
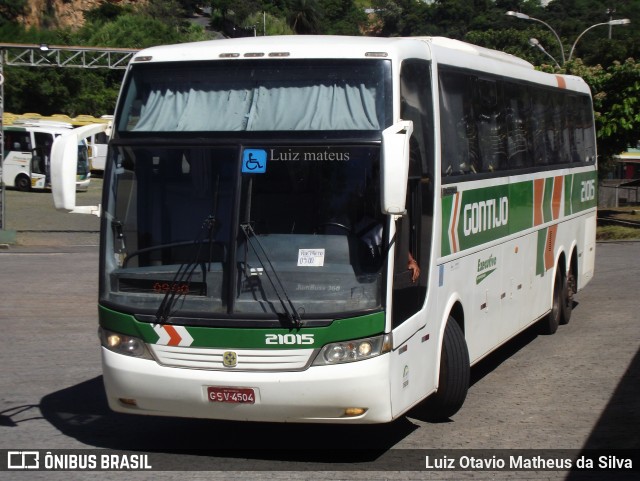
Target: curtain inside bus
point(265, 96)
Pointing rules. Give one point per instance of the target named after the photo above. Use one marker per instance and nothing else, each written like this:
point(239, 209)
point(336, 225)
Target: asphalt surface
point(37, 222)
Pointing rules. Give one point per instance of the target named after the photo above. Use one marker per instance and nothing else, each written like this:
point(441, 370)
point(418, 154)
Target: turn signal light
point(351, 412)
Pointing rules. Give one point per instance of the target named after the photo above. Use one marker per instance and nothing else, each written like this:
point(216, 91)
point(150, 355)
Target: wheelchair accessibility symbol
point(254, 161)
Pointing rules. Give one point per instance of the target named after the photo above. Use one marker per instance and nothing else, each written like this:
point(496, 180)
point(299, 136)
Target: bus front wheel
point(454, 376)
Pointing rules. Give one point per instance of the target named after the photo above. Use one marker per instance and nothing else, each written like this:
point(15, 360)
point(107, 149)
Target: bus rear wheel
point(569, 288)
point(549, 324)
point(454, 376)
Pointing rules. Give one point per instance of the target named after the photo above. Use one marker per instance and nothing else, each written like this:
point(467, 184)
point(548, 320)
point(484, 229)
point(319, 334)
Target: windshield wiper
point(185, 272)
point(290, 311)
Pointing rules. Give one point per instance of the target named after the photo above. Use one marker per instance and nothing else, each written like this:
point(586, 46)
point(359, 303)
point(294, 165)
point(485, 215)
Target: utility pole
point(610, 11)
point(43, 55)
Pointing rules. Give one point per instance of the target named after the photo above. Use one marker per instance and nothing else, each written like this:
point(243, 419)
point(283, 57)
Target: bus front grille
point(245, 359)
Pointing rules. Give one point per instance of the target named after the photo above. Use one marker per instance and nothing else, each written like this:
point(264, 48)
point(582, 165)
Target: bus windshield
point(186, 221)
point(263, 95)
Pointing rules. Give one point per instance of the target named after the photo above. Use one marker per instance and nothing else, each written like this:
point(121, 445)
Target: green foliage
point(617, 233)
point(66, 91)
point(10, 10)
point(616, 101)
point(273, 25)
point(140, 31)
point(106, 12)
point(304, 17)
point(342, 17)
point(602, 61)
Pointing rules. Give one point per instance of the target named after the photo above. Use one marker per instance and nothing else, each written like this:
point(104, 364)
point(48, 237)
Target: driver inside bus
point(370, 232)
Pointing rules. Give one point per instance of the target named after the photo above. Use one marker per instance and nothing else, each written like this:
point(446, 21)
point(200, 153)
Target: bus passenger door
point(413, 347)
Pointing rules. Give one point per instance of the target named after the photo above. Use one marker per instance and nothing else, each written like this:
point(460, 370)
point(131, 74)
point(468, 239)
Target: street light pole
point(610, 12)
point(535, 43)
point(621, 21)
point(524, 16)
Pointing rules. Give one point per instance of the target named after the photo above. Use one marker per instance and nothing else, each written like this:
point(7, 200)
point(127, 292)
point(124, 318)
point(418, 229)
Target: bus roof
point(438, 49)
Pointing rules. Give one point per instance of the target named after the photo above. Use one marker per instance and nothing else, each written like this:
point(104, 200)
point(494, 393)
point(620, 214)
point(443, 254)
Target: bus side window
point(589, 134)
point(519, 139)
point(490, 121)
point(17, 141)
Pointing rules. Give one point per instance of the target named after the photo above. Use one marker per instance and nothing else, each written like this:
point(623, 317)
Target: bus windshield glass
point(263, 95)
point(239, 231)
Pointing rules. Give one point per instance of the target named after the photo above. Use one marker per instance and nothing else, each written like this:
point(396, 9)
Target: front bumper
point(318, 394)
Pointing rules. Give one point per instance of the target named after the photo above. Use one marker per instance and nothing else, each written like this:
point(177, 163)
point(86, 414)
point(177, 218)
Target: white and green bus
point(264, 197)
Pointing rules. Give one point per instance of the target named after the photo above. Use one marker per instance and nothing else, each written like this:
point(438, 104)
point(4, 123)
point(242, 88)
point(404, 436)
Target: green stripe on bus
point(546, 202)
point(249, 338)
point(542, 244)
point(489, 213)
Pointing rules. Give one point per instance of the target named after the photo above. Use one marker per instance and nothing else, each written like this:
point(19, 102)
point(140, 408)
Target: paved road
point(36, 221)
point(576, 390)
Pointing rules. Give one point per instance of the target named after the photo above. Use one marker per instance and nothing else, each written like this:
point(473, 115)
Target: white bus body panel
point(15, 164)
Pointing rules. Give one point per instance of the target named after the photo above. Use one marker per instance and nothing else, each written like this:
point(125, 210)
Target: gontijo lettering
point(485, 215)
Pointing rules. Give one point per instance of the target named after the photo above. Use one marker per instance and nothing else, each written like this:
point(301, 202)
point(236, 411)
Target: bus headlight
point(351, 351)
point(123, 344)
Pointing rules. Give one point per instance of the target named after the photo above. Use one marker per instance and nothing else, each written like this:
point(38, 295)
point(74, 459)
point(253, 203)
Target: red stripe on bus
point(549, 260)
point(175, 338)
point(538, 199)
point(454, 222)
point(557, 196)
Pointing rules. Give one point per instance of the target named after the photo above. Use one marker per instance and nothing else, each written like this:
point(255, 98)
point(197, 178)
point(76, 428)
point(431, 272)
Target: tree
point(342, 17)
point(268, 24)
point(616, 101)
point(304, 17)
point(10, 10)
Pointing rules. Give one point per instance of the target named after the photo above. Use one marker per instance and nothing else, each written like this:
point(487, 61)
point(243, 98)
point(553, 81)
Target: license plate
point(235, 395)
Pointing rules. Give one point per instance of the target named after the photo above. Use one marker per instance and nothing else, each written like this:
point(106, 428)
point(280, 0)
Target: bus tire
point(23, 183)
point(569, 290)
point(454, 376)
point(549, 324)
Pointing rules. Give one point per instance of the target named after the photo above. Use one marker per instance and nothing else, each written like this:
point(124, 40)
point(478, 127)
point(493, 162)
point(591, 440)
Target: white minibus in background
point(27, 154)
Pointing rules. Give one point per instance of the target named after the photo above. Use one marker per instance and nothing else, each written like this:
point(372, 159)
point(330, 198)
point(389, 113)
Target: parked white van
point(27, 153)
point(98, 144)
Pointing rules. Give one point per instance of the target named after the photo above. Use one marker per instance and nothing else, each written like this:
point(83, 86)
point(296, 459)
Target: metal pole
point(1, 140)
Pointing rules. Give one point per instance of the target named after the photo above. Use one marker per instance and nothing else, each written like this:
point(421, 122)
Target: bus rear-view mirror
point(64, 167)
point(395, 167)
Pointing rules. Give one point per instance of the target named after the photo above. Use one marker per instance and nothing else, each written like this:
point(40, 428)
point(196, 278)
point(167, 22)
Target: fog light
point(351, 412)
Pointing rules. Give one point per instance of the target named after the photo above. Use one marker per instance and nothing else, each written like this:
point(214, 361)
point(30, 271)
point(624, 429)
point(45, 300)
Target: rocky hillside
point(61, 13)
